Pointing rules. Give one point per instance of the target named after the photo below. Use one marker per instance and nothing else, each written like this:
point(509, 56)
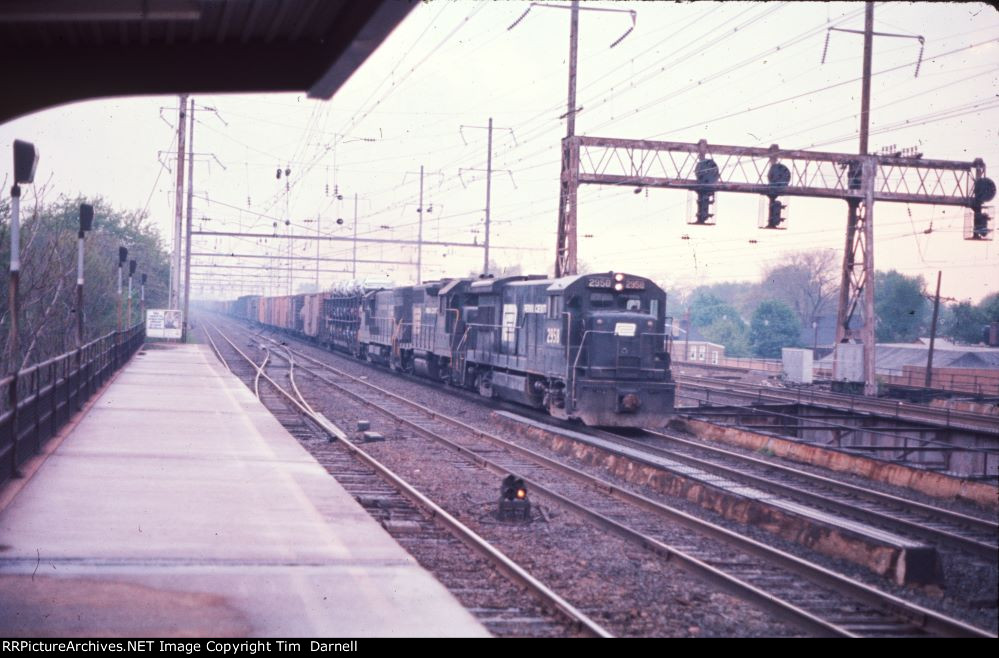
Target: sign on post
point(164, 323)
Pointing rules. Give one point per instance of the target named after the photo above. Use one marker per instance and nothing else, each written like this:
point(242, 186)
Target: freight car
point(592, 347)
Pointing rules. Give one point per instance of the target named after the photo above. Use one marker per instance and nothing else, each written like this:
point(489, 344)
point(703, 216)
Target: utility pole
point(132, 264)
point(178, 206)
point(686, 342)
point(25, 163)
point(565, 249)
point(857, 278)
point(15, 280)
point(291, 254)
point(86, 223)
point(489, 183)
point(933, 334)
point(419, 239)
point(190, 221)
point(122, 257)
point(353, 258)
point(865, 97)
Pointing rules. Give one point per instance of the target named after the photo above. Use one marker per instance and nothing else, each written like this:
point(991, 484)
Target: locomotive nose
point(630, 402)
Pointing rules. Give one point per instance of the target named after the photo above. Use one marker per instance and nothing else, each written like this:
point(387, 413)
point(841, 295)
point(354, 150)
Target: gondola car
point(593, 347)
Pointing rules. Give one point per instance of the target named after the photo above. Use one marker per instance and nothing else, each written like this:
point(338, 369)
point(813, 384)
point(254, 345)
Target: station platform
point(177, 505)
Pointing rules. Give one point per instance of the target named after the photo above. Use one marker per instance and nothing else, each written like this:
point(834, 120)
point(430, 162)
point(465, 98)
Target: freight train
point(592, 347)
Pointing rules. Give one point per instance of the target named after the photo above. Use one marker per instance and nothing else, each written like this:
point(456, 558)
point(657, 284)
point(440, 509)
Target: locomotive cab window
point(554, 307)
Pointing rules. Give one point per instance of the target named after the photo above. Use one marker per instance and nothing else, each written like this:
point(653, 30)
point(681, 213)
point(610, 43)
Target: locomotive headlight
point(619, 286)
point(619, 277)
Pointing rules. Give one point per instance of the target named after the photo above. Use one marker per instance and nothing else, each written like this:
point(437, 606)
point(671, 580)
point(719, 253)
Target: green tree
point(989, 307)
point(900, 306)
point(774, 325)
point(807, 281)
point(707, 308)
point(47, 325)
point(741, 295)
point(965, 323)
point(731, 332)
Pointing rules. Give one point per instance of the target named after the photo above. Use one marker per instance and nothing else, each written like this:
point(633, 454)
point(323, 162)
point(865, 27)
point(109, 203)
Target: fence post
point(15, 423)
point(55, 398)
point(35, 407)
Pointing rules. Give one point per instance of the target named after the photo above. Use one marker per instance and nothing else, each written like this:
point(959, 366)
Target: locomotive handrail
point(579, 351)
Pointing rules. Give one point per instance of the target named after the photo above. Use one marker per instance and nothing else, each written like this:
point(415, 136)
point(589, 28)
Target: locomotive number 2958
point(554, 336)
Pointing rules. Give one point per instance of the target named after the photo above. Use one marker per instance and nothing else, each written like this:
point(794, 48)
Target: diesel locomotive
point(592, 347)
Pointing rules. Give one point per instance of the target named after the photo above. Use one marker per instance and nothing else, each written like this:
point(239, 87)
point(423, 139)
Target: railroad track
point(841, 402)
point(462, 560)
point(814, 597)
point(972, 534)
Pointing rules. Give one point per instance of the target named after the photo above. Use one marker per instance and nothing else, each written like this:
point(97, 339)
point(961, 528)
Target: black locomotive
point(593, 347)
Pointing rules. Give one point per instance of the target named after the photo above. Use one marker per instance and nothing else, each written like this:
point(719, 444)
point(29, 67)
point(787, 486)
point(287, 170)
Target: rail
point(36, 402)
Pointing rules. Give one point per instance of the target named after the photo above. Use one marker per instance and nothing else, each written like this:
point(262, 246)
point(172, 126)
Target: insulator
point(825, 48)
point(919, 62)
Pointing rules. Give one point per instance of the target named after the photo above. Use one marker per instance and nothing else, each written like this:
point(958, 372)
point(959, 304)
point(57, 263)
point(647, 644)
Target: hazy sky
point(731, 73)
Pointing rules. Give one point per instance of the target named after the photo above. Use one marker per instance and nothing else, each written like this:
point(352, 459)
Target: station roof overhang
point(61, 51)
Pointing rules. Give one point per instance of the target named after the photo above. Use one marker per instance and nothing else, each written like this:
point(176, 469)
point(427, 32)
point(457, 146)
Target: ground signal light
point(513, 502)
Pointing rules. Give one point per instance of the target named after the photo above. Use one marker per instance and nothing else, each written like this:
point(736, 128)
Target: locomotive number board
point(600, 282)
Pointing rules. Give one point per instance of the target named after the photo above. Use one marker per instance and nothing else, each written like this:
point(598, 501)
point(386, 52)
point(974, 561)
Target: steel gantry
point(705, 169)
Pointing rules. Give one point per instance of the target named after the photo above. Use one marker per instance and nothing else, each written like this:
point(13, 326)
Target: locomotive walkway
point(178, 505)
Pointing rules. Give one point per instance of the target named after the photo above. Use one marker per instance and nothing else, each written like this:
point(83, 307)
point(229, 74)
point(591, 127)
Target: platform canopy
point(60, 51)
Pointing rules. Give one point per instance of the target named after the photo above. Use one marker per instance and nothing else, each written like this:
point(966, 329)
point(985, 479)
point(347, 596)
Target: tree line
point(47, 325)
point(757, 319)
